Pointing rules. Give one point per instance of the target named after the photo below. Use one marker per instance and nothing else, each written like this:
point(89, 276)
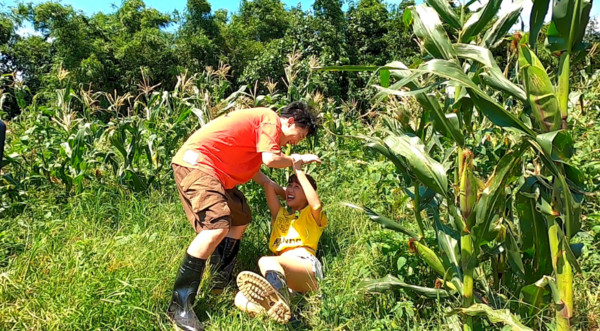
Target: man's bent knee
point(236, 232)
point(206, 241)
point(214, 236)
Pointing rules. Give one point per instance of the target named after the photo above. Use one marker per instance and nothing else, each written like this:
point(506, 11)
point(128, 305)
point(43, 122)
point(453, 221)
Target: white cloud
point(27, 30)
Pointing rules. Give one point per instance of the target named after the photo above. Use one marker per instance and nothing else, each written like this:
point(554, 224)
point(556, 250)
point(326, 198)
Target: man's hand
point(304, 159)
point(298, 163)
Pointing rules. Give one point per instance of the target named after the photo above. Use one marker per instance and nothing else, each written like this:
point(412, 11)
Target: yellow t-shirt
point(290, 231)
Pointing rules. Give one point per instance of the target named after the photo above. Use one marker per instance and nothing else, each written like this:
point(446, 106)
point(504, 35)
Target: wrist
point(297, 158)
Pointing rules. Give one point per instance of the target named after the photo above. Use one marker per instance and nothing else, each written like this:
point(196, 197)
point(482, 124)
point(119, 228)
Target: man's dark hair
point(300, 111)
point(294, 179)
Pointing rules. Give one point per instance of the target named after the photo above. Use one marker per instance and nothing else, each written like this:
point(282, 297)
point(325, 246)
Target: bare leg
point(205, 242)
point(236, 232)
point(298, 272)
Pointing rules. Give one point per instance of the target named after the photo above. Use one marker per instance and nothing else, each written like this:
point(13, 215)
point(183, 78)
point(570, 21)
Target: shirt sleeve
point(267, 139)
point(279, 214)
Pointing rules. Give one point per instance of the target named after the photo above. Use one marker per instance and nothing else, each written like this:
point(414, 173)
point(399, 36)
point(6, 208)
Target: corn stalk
point(565, 35)
point(466, 232)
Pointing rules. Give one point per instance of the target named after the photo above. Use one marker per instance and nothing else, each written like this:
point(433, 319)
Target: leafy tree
point(367, 27)
point(265, 20)
point(250, 31)
point(6, 29)
point(106, 51)
point(330, 11)
point(199, 39)
point(399, 39)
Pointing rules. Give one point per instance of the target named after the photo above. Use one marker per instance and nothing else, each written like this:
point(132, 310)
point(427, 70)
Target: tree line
point(112, 51)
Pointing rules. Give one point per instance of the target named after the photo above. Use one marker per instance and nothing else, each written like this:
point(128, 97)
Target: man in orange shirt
point(227, 152)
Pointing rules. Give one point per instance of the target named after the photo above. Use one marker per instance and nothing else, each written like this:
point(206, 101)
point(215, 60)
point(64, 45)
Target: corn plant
point(475, 222)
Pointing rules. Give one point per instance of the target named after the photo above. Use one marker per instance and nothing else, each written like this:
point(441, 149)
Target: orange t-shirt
point(230, 147)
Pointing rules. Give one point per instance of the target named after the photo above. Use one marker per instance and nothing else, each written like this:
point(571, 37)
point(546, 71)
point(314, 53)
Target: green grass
point(106, 260)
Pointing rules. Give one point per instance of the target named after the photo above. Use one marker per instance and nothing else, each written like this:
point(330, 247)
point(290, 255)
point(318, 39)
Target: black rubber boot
point(223, 261)
point(181, 310)
point(277, 280)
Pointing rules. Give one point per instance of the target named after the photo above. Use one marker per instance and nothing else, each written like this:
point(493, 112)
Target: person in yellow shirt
point(295, 234)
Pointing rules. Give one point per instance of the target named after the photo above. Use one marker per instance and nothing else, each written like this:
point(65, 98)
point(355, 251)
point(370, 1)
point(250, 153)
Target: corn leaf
point(559, 145)
point(446, 124)
point(503, 316)
point(494, 36)
point(407, 18)
point(568, 250)
point(536, 20)
point(497, 80)
point(383, 221)
point(575, 178)
point(534, 231)
point(478, 21)
point(491, 195)
point(381, 147)
point(493, 76)
point(442, 7)
point(476, 53)
point(540, 91)
point(390, 282)
point(567, 28)
point(533, 294)
point(514, 254)
point(428, 28)
point(384, 77)
point(491, 109)
point(568, 208)
point(448, 240)
point(428, 171)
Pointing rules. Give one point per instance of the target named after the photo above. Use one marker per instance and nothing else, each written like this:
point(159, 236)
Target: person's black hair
point(294, 179)
point(300, 111)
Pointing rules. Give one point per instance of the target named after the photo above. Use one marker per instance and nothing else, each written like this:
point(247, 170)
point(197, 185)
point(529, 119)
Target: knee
point(264, 261)
point(219, 234)
point(267, 263)
point(213, 237)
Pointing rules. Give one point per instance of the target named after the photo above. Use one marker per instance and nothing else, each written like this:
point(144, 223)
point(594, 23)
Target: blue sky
point(94, 6)
point(90, 7)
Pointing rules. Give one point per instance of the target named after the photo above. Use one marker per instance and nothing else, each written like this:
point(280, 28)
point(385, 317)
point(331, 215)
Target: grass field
point(106, 259)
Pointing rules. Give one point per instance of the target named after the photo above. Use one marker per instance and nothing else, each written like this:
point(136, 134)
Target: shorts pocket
point(202, 190)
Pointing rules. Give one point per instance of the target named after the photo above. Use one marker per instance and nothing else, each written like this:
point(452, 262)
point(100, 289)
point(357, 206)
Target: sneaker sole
point(259, 291)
